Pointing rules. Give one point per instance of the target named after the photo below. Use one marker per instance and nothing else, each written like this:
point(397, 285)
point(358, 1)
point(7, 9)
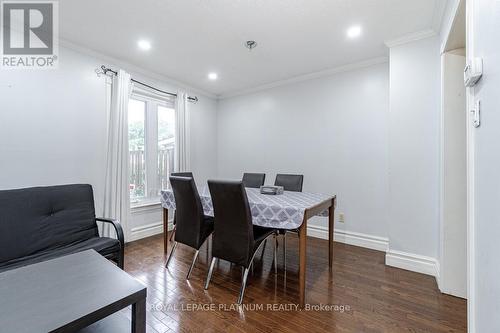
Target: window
point(136, 141)
point(166, 141)
point(151, 126)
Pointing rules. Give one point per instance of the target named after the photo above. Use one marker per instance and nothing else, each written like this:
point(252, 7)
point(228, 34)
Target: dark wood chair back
point(182, 174)
point(188, 213)
point(233, 238)
point(289, 182)
point(254, 180)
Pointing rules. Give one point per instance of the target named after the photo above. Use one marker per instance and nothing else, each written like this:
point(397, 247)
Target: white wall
point(334, 130)
point(414, 123)
point(483, 37)
point(203, 123)
point(53, 127)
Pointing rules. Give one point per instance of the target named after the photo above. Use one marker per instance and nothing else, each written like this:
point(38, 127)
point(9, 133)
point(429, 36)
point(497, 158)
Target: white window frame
point(151, 182)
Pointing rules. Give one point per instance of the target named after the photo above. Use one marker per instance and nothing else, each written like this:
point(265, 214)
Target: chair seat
point(283, 231)
point(260, 234)
point(104, 245)
point(207, 227)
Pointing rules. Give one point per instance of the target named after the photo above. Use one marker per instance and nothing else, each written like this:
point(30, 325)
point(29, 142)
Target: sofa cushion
point(105, 246)
point(40, 219)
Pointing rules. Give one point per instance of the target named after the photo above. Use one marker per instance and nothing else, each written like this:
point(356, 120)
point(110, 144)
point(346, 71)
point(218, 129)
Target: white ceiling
point(191, 38)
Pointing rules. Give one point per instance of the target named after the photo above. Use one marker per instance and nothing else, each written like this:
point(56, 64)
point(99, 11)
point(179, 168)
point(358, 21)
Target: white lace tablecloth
point(284, 211)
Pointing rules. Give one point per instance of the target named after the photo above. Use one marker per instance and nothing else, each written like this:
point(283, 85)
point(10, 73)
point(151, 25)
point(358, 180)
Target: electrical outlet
point(341, 218)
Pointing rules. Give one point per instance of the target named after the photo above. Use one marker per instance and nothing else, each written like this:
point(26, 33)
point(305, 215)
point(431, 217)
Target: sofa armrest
point(119, 235)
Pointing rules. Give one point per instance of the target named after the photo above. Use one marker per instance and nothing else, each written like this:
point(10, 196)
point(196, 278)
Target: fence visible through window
point(151, 133)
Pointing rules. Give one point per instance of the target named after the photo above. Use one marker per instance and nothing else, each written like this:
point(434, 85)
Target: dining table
point(288, 211)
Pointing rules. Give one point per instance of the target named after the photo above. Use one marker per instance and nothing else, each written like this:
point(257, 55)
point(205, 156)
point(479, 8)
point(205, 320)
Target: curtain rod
point(106, 70)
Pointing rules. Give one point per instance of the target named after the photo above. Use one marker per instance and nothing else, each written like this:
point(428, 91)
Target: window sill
point(145, 205)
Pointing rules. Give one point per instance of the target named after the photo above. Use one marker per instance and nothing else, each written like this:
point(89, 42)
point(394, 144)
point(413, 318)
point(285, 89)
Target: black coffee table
point(71, 293)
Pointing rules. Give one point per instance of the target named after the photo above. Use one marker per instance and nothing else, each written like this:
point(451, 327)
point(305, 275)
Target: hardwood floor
point(369, 296)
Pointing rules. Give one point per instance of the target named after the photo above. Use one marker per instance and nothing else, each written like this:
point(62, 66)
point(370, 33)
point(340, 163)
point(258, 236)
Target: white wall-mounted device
point(476, 114)
point(473, 72)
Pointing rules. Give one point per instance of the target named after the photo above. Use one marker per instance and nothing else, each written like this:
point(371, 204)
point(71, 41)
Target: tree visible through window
point(151, 125)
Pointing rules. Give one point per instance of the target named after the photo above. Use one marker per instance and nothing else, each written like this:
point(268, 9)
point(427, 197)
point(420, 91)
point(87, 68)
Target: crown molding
point(438, 20)
point(133, 68)
point(413, 37)
point(306, 77)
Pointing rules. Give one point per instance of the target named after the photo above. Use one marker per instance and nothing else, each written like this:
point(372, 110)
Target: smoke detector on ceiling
point(250, 44)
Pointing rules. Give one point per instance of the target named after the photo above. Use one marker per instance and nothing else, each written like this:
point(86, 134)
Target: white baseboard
point(351, 238)
point(408, 261)
point(412, 262)
point(438, 276)
point(341, 236)
point(147, 230)
point(403, 260)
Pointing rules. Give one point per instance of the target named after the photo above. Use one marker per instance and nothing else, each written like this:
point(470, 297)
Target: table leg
point(302, 262)
point(139, 316)
point(165, 230)
point(331, 218)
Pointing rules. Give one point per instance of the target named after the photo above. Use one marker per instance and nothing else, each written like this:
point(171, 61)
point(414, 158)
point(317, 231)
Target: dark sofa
point(42, 223)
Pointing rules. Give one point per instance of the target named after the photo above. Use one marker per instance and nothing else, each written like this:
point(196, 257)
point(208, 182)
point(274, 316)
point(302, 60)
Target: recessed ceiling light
point(354, 31)
point(144, 45)
point(212, 76)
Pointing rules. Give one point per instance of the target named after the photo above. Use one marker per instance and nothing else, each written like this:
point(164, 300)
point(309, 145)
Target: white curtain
point(116, 187)
point(182, 143)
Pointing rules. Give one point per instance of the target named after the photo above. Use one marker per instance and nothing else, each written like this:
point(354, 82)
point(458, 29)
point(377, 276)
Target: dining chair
point(182, 174)
point(235, 238)
point(291, 183)
point(178, 174)
point(193, 227)
point(254, 180)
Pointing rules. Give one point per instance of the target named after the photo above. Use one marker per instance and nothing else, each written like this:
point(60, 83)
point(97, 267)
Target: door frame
point(471, 141)
point(470, 148)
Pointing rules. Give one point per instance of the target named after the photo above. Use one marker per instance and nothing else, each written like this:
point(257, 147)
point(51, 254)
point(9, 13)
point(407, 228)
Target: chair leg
point(172, 234)
point(171, 254)
point(284, 251)
point(243, 285)
point(275, 254)
point(192, 264)
point(263, 249)
point(210, 271)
